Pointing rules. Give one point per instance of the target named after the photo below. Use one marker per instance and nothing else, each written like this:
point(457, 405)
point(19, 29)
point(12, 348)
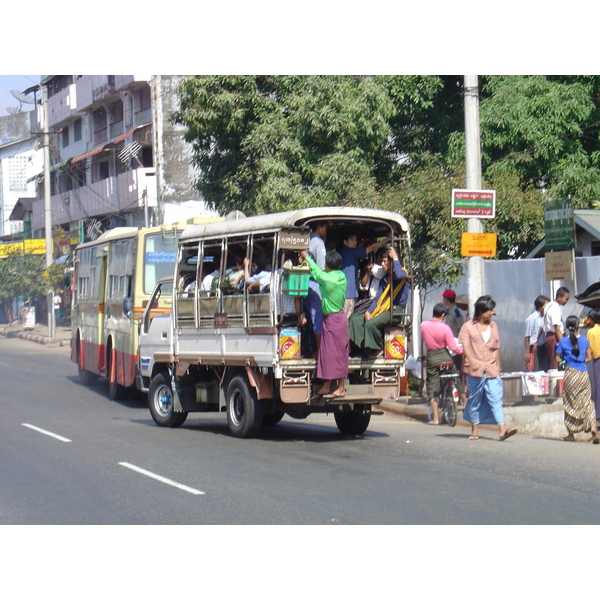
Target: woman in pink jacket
point(481, 363)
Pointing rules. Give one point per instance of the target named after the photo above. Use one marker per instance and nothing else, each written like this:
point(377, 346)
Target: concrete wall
point(514, 285)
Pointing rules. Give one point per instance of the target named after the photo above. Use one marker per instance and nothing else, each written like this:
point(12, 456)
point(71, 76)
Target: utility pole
point(47, 207)
point(473, 167)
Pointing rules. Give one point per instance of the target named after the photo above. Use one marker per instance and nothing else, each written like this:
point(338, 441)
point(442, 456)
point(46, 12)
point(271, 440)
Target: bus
point(113, 278)
point(209, 345)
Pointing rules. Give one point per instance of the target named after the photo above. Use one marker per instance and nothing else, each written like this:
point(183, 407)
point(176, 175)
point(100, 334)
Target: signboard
point(35, 246)
point(479, 244)
point(560, 225)
point(294, 239)
point(559, 265)
point(479, 204)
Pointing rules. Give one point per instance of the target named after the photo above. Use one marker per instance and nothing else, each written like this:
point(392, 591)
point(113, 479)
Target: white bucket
point(556, 382)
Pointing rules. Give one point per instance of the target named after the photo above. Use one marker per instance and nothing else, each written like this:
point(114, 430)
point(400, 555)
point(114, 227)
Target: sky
point(15, 82)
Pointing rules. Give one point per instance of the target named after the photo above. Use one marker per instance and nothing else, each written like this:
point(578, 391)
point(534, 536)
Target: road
point(70, 455)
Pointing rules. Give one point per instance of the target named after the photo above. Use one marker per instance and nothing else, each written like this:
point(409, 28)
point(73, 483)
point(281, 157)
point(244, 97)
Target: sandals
point(473, 437)
point(508, 433)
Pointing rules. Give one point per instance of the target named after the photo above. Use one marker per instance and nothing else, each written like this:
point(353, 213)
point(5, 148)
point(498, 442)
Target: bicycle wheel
point(449, 405)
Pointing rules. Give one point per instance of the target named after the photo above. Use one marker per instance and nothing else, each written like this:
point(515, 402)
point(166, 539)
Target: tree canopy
point(270, 143)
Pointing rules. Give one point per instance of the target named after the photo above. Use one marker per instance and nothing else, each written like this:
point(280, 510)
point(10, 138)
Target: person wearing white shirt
point(535, 336)
point(553, 325)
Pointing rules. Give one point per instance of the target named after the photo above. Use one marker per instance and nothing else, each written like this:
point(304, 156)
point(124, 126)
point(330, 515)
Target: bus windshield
point(160, 254)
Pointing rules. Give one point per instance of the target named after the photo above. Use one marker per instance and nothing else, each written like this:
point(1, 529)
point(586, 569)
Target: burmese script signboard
point(560, 225)
point(478, 244)
point(479, 204)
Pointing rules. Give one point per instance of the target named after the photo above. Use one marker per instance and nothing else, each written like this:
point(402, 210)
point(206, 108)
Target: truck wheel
point(352, 423)
point(160, 403)
point(244, 411)
point(270, 419)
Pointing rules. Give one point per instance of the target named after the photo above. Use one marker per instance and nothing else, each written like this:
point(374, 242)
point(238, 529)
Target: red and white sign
point(480, 204)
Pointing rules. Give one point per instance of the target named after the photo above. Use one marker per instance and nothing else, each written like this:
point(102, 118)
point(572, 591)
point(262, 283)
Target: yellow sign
point(559, 265)
point(35, 246)
point(479, 244)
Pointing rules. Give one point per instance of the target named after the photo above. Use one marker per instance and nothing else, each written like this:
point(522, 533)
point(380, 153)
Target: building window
point(103, 170)
point(65, 136)
point(77, 130)
point(595, 248)
point(117, 111)
point(145, 98)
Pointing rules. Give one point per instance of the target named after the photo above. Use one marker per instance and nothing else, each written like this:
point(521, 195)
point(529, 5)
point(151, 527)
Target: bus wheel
point(244, 411)
point(116, 390)
point(160, 403)
point(352, 423)
point(85, 377)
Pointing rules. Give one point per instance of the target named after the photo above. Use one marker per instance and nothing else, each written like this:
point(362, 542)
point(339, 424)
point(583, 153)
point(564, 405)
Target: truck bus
point(114, 276)
point(240, 351)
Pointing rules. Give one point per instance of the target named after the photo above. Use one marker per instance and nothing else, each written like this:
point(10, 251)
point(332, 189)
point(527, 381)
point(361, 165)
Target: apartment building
point(19, 161)
point(115, 157)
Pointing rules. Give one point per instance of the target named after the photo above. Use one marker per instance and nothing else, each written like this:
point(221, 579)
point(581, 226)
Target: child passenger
point(332, 362)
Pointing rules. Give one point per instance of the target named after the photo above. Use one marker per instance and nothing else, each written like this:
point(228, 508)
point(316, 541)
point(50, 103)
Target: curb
point(34, 337)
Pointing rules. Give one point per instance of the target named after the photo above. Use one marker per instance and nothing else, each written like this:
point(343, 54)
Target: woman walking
point(481, 362)
point(580, 414)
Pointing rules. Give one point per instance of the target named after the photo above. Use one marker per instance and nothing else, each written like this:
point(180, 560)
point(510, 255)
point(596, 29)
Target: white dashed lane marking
point(162, 479)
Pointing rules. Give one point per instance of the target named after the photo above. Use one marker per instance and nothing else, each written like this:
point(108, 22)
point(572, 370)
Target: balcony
point(61, 104)
point(125, 192)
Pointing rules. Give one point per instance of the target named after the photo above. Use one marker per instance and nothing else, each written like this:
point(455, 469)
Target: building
point(115, 157)
point(19, 162)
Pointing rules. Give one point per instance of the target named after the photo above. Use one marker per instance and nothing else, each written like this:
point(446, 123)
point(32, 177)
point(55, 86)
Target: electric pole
point(47, 206)
point(473, 167)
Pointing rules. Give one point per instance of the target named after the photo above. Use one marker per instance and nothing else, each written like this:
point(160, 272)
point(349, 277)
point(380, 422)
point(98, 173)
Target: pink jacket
point(478, 355)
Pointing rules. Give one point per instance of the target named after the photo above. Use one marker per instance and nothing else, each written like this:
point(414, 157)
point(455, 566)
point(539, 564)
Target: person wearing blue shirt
point(580, 414)
point(366, 328)
point(351, 255)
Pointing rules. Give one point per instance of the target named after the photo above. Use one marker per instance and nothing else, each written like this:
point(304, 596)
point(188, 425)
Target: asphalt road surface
point(70, 455)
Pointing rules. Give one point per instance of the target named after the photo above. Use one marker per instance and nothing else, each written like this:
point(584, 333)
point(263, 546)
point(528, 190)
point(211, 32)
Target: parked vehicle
point(220, 348)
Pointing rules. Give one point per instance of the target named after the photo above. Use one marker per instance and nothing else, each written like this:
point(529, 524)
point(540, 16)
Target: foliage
point(21, 275)
point(268, 143)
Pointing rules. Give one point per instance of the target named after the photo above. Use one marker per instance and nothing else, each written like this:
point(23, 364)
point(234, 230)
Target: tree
point(21, 276)
point(268, 143)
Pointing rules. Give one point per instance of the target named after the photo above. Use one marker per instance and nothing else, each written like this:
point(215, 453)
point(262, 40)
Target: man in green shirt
point(332, 362)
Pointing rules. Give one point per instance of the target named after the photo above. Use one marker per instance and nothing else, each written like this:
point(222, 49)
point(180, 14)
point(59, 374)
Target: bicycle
point(449, 397)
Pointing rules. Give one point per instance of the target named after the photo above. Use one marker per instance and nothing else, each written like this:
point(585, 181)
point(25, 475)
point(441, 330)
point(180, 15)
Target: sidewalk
point(541, 417)
point(38, 334)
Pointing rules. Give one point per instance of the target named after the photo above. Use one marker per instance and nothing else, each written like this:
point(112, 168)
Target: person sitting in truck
point(210, 278)
point(366, 328)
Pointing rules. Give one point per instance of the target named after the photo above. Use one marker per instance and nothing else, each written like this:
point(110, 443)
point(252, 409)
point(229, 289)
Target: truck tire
point(160, 402)
point(244, 411)
point(270, 419)
point(352, 423)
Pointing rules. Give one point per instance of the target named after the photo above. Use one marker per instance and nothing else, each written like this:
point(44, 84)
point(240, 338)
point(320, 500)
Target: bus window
point(160, 254)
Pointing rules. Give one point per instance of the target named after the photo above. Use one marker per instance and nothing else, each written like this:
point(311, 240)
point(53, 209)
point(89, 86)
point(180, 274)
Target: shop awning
point(129, 133)
point(96, 150)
